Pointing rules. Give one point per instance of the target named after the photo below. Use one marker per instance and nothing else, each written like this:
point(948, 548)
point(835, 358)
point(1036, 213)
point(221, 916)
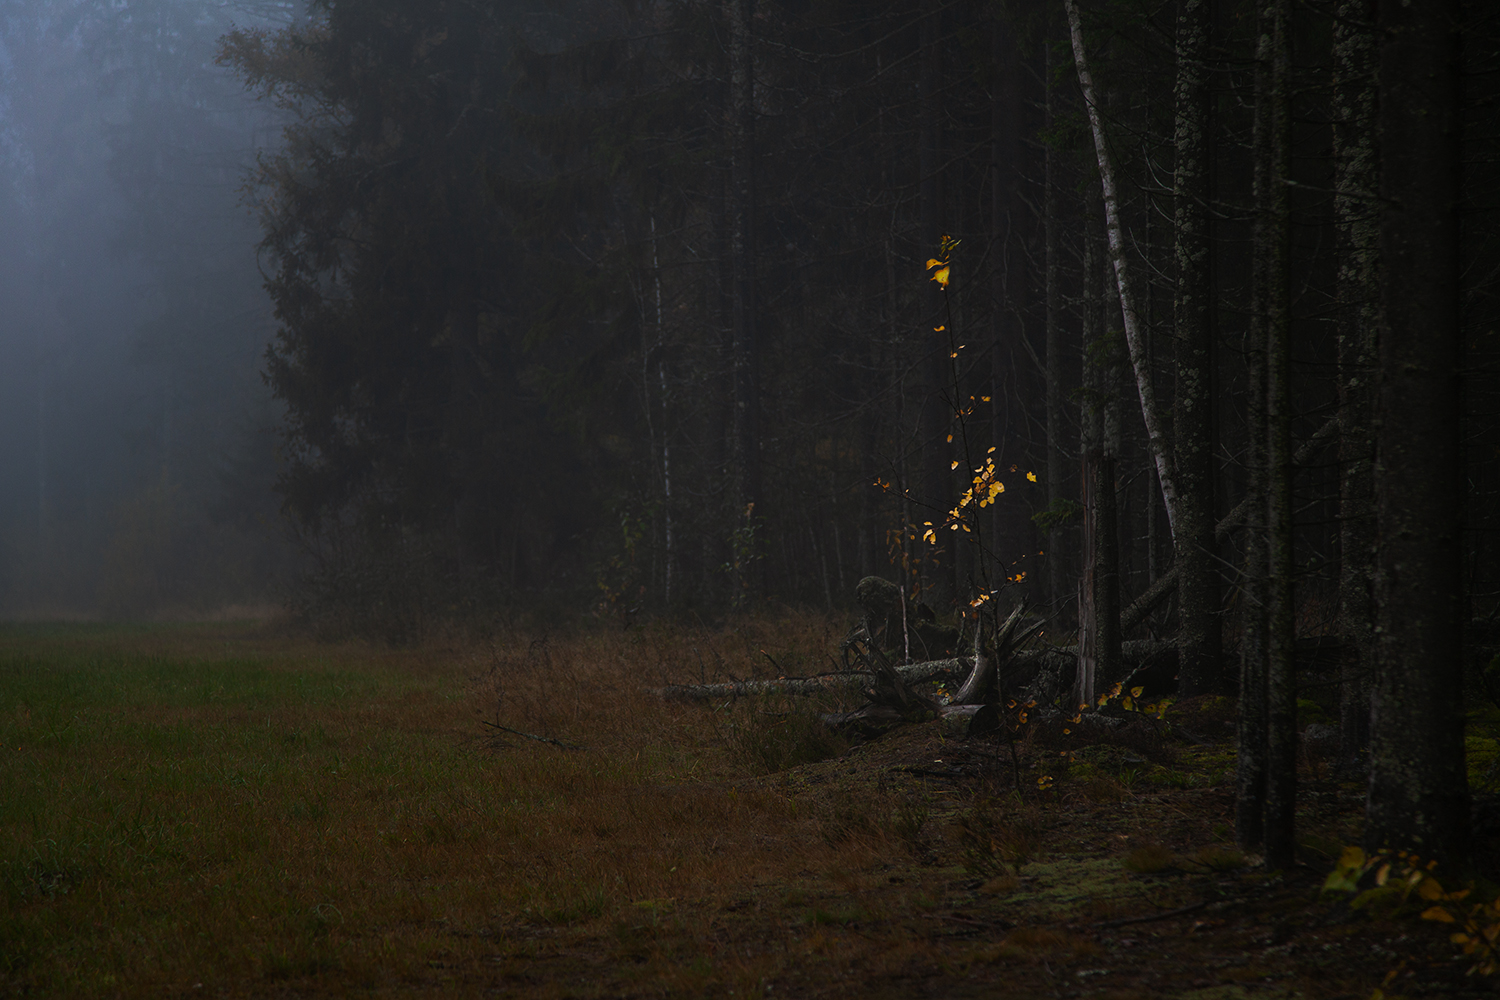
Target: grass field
point(231, 810)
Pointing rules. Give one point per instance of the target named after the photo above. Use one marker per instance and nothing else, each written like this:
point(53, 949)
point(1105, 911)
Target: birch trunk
point(1134, 335)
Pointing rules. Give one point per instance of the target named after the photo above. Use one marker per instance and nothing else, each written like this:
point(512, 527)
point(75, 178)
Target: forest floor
point(234, 810)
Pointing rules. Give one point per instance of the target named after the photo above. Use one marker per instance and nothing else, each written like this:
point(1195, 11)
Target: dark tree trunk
point(1281, 729)
point(1057, 425)
point(1358, 300)
point(1251, 761)
point(743, 254)
point(936, 411)
point(1192, 412)
point(1099, 597)
point(1419, 796)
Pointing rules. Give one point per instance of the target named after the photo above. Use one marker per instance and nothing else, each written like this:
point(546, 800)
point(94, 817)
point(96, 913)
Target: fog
point(137, 444)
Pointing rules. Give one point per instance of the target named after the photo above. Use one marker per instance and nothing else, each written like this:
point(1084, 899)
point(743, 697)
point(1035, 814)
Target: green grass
point(214, 805)
point(153, 800)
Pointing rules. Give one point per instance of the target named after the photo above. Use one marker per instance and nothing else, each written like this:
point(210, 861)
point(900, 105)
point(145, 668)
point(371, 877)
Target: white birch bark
point(1134, 336)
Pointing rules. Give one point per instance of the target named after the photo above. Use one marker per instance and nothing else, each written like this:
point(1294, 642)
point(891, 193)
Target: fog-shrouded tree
point(134, 317)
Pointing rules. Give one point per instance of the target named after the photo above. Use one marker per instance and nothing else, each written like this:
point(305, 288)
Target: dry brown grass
point(234, 806)
point(1149, 858)
point(231, 805)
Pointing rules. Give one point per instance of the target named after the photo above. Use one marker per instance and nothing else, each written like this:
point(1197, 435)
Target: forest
point(1128, 368)
point(1173, 320)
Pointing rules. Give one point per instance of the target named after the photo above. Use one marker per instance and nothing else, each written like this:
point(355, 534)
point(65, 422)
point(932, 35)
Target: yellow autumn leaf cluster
point(939, 265)
point(1479, 936)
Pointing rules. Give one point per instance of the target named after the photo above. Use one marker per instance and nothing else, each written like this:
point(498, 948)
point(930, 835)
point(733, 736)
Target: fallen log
point(951, 669)
point(1037, 673)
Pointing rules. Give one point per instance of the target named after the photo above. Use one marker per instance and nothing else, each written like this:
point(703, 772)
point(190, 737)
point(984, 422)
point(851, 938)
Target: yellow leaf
point(953, 466)
point(1031, 476)
point(1437, 913)
point(933, 262)
point(1353, 857)
point(939, 329)
point(1430, 890)
point(941, 276)
point(929, 536)
point(1383, 874)
point(1136, 691)
point(950, 438)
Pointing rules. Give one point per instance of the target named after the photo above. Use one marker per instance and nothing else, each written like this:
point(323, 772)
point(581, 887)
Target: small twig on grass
point(532, 736)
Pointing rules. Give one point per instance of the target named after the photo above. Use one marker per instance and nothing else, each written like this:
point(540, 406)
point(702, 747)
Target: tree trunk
point(1099, 597)
point(1134, 336)
point(1358, 314)
point(1281, 683)
point(1002, 206)
point(1192, 410)
point(936, 411)
point(1250, 760)
point(1057, 429)
point(745, 312)
point(1419, 796)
